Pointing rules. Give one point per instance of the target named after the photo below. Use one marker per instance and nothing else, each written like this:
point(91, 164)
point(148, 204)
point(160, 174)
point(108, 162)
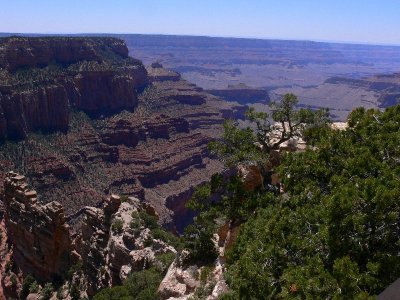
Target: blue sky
point(367, 21)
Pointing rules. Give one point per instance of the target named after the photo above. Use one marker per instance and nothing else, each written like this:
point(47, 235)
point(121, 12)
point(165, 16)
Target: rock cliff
point(39, 233)
point(41, 78)
point(112, 240)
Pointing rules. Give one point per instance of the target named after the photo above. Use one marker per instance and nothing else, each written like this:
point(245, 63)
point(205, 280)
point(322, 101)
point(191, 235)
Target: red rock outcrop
point(60, 73)
point(38, 233)
point(112, 240)
point(251, 176)
point(44, 108)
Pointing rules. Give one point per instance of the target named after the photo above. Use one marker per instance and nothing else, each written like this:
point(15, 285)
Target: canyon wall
point(155, 149)
point(41, 78)
point(38, 233)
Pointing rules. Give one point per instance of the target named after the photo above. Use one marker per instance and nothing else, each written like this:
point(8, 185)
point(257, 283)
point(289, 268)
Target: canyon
point(80, 123)
point(235, 68)
point(94, 143)
point(230, 66)
point(97, 122)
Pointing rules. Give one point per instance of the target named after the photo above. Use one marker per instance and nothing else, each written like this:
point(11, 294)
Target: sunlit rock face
point(41, 78)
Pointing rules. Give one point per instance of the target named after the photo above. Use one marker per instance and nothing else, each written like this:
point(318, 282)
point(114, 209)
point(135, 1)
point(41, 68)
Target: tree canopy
point(334, 233)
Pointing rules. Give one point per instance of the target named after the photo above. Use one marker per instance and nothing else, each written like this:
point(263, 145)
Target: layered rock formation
point(39, 233)
point(386, 87)
point(41, 78)
point(157, 153)
point(242, 93)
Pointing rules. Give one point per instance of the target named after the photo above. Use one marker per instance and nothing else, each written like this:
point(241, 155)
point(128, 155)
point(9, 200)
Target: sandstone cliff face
point(38, 233)
point(91, 74)
point(44, 108)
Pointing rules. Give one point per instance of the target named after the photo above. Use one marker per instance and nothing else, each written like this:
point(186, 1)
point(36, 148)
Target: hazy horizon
point(356, 22)
point(196, 35)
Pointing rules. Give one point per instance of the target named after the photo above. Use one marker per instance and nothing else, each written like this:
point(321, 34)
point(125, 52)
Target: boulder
point(251, 176)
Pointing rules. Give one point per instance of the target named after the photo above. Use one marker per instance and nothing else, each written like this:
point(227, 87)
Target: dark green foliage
point(149, 221)
point(28, 280)
point(117, 226)
point(135, 224)
point(75, 292)
point(336, 232)
point(157, 231)
point(13, 279)
point(34, 287)
point(76, 268)
point(255, 143)
point(47, 291)
point(141, 285)
point(236, 145)
point(198, 239)
point(124, 198)
point(167, 237)
point(163, 261)
point(118, 292)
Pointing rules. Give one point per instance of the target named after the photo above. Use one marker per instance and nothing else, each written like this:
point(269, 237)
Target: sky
point(360, 21)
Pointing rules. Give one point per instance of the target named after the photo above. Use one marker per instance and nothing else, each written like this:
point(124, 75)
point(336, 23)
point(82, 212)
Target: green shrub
point(13, 279)
point(135, 224)
point(75, 292)
point(34, 287)
point(141, 285)
point(148, 242)
point(117, 226)
point(28, 281)
point(334, 234)
point(198, 239)
point(124, 198)
point(163, 261)
point(47, 291)
point(77, 268)
point(118, 292)
point(167, 237)
point(149, 221)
